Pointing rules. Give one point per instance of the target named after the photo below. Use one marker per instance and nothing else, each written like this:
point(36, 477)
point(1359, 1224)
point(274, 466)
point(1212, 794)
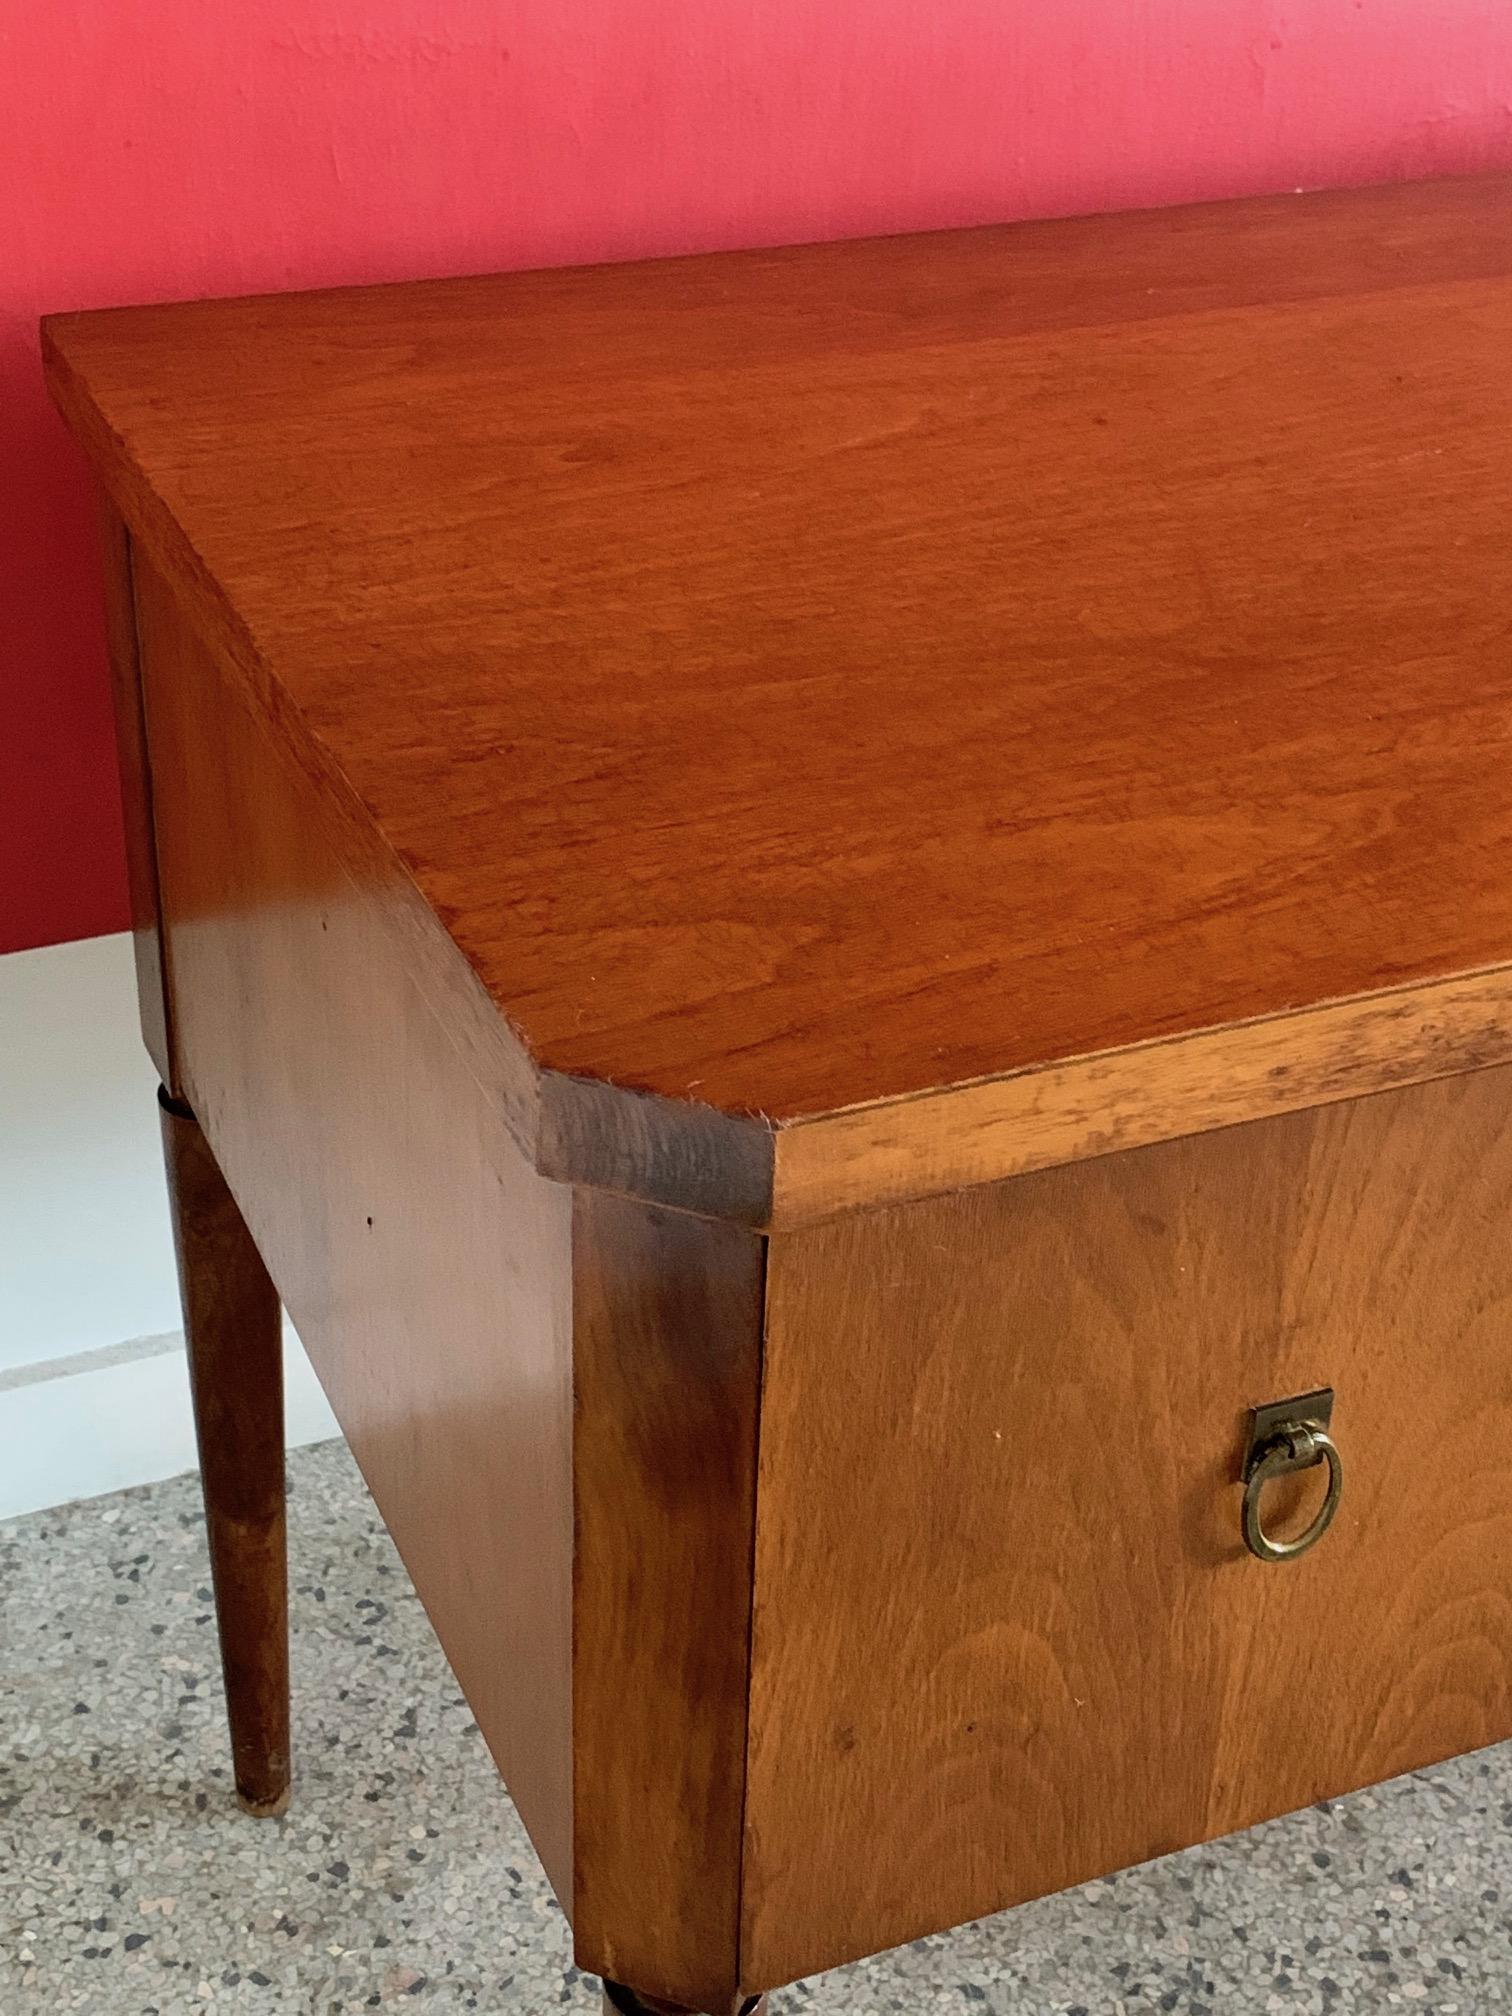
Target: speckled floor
point(130, 1885)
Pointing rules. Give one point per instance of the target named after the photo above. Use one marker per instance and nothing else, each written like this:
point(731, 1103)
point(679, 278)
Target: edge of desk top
point(803, 1166)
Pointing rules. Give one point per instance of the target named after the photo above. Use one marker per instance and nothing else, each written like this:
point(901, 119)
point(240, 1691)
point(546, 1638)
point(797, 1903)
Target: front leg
point(234, 1333)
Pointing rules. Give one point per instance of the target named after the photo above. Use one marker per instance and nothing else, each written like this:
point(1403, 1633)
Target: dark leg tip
point(622, 2001)
point(265, 1809)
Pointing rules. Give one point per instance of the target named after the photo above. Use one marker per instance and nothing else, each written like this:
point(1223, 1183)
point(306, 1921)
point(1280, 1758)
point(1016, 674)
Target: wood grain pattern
point(779, 735)
point(667, 1315)
point(234, 1331)
point(425, 1265)
point(1003, 1613)
point(136, 791)
point(1130, 1098)
point(803, 681)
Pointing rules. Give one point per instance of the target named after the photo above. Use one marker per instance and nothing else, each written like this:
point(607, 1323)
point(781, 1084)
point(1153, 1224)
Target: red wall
point(159, 148)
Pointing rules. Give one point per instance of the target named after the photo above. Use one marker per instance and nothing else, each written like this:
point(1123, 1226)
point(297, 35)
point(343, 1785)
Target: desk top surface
point(806, 678)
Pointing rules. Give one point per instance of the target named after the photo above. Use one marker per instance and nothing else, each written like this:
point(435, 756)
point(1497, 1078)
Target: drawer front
point(1007, 1633)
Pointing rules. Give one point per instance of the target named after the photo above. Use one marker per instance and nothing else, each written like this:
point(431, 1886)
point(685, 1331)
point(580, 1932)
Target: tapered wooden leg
point(231, 1320)
point(621, 2001)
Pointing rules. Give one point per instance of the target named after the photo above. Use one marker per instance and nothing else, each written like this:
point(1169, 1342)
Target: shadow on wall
point(154, 154)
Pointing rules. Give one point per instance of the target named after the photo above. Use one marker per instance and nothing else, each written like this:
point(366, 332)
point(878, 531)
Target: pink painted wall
point(152, 149)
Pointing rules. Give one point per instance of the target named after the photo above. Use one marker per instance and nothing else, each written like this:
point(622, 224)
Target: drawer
point(1004, 1614)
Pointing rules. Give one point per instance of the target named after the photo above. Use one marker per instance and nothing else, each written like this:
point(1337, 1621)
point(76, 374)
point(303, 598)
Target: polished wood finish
point(456, 1308)
point(667, 1313)
point(234, 1331)
point(447, 1338)
point(1130, 1098)
point(822, 907)
point(1003, 1612)
point(136, 791)
point(425, 1265)
point(821, 679)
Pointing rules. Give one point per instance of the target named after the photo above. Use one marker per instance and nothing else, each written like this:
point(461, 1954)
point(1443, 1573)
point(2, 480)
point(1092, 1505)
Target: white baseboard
point(94, 1392)
point(121, 1416)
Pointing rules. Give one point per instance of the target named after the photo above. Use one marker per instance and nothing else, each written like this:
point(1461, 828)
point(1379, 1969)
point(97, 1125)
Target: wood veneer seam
point(905, 1168)
point(764, 1266)
point(1090, 1059)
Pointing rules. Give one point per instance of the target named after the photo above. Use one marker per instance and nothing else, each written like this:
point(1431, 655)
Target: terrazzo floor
point(130, 1885)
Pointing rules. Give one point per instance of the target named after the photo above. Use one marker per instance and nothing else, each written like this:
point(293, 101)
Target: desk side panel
point(425, 1264)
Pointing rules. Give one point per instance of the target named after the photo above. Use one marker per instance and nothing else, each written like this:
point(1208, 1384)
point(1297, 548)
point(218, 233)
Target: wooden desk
point(823, 908)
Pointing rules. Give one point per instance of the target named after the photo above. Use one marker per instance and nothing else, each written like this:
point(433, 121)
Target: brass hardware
point(1286, 1436)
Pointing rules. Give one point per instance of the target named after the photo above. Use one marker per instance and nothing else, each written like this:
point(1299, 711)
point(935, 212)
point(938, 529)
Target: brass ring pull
point(1297, 1446)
